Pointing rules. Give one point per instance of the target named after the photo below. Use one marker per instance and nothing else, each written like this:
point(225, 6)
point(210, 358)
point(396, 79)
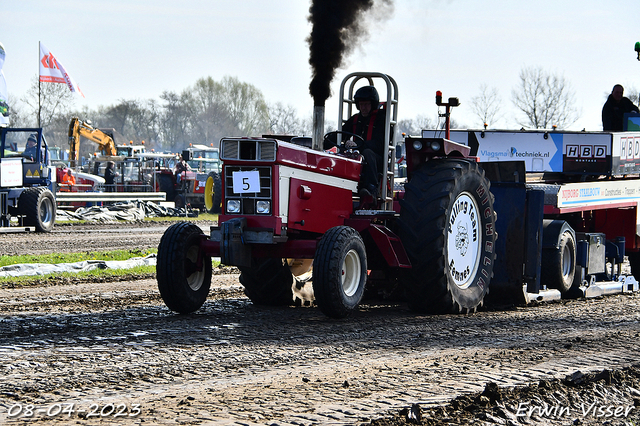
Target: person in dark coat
point(614, 109)
point(31, 147)
point(110, 176)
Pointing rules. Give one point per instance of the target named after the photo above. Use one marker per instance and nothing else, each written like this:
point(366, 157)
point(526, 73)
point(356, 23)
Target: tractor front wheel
point(183, 272)
point(213, 193)
point(38, 205)
point(339, 271)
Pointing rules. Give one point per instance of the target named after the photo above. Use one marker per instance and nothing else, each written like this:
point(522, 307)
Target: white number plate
point(244, 182)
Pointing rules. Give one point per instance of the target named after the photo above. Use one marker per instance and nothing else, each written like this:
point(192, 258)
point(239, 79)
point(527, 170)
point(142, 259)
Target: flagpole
point(39, 105)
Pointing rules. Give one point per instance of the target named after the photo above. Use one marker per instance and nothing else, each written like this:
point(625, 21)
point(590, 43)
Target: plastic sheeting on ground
point(131, 211)
point(35, 269)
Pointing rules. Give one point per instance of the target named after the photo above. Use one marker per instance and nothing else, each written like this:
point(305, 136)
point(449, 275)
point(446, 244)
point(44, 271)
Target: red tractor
point(200, 186)
point(285, 206)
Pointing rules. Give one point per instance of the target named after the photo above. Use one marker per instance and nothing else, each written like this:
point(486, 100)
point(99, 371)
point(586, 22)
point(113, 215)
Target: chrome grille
point(248, 149)
point(248, 201)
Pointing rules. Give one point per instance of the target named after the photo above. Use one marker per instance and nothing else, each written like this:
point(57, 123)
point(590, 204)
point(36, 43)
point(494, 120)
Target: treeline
point(202, 113)
point(210, 109)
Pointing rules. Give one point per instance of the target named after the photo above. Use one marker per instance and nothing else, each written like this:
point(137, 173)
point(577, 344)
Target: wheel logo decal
point(464, 240)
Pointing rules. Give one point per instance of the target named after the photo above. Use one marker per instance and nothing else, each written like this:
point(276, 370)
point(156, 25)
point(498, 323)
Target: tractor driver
point(369, 124)
point(31, 147)
point(181, 167)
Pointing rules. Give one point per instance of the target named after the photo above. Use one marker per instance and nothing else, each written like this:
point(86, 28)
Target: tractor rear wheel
point(339, 271)
point(268, 282)
point(165, 184)
point(447, 226)
point(38, 205)
point(182, 271)
point(213, 193)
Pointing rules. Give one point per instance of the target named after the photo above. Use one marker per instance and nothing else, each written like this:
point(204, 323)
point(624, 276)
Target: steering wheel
point(359, 140)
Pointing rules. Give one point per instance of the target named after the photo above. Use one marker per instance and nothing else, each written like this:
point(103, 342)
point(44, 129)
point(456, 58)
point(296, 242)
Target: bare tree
point(17, 116)
point(632, 93)
point(210, 115)
point(283, 120)
point(486, 106)
point(176, 126)
point(48, 101)
point(246, 106)
point(414, 126)
point(545, 99)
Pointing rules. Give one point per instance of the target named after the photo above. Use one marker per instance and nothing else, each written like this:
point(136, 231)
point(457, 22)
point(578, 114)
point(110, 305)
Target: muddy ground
point(87, 353)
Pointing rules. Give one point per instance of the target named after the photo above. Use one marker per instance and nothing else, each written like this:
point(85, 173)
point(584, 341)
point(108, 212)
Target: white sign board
point(10, 172)
point(246, 182)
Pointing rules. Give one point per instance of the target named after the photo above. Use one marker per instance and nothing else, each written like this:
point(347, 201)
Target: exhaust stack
point(318, 127)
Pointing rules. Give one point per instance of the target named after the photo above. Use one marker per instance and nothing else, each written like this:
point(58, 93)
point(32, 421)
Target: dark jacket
point(613, 113)
point(109, 176)
point(374, 140)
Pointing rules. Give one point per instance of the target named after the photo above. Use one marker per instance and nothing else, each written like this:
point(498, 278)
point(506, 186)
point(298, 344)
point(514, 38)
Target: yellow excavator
point(79, 128)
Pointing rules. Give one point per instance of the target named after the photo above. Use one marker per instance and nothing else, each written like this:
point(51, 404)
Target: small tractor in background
point(200, 187)
point(564, 204)
point(27, 181)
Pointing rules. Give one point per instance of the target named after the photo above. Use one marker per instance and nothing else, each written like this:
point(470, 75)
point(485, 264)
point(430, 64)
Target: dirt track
point(104, 346)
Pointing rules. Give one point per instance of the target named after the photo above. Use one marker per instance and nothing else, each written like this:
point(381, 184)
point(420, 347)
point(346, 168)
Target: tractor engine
point(276, 192)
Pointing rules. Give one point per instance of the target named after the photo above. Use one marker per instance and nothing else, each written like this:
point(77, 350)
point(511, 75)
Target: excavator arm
point(79, 128)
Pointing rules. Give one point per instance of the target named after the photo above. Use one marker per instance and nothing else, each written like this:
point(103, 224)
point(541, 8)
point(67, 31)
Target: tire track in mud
point(232, 362)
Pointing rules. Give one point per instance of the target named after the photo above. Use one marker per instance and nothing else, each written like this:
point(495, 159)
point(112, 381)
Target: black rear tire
point(339, 271)
point(213, 193)
point(447, 226)
point(183, 272)
point(38, 205)
point(165, 183)
point(268, 282)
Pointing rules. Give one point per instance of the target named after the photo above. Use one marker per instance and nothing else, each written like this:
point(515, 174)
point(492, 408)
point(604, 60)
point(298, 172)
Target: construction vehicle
point(200, 187)
point(78, 128)
point(545, 224)
point(27, 181)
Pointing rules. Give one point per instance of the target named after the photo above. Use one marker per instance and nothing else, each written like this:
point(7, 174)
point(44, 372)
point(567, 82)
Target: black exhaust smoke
point(337, 28)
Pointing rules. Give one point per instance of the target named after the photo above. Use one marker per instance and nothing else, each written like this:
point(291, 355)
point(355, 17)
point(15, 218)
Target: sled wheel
point(339, 271)
point(558, 264)
point(38, 205)
point(213, 193)
point(183, 272)
point(447, 226)
point(268, 282)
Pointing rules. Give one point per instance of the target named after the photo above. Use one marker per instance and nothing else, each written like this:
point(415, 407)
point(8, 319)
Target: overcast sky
point(136, 49)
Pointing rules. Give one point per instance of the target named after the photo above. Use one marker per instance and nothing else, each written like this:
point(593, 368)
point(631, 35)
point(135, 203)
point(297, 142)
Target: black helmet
point(367, 93)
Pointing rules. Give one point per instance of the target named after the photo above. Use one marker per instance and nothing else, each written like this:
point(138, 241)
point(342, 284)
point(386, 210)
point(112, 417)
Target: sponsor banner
point(540, 150)
point(598, 193)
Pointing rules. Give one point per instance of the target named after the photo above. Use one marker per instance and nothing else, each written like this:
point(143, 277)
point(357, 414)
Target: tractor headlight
point(233, 206)
point(435, 146)
point(263, 207)
point(417, 145)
